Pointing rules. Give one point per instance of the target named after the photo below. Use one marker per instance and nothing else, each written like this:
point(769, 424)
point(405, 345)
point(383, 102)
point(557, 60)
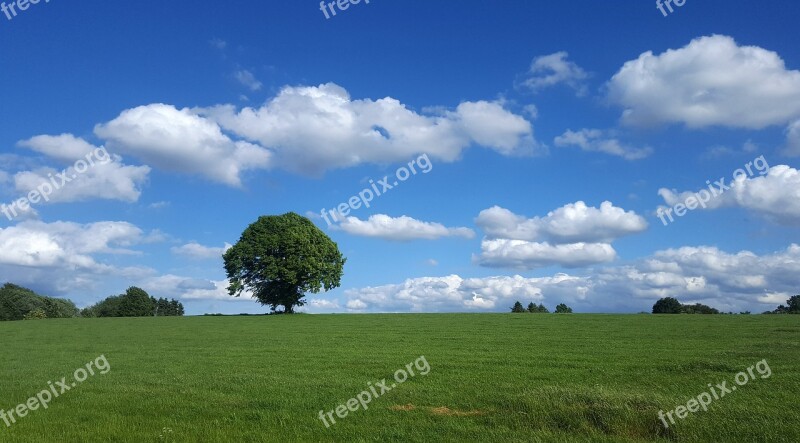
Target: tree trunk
point(287, 309)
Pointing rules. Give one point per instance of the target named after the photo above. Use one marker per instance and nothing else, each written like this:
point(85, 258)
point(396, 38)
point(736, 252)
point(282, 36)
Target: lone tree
point(517, 308)
point(281, 257)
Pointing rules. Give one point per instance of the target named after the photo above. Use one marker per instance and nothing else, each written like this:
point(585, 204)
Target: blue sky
point(556, 133)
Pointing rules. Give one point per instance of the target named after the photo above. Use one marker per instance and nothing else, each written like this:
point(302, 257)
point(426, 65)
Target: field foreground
point(492, 377)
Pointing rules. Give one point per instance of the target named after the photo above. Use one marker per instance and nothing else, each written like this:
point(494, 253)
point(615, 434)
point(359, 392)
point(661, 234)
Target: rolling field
point(492, 377)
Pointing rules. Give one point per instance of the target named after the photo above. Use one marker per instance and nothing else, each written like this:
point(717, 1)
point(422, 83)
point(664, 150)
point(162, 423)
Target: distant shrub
point(36, 314)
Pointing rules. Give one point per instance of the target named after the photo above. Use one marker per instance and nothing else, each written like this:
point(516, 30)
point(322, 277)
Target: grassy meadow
point(493, 377)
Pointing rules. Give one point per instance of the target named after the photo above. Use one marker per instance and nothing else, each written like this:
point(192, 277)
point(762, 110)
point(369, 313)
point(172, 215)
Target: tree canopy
point(17, 303)
point(135, 302)
point(280, 258)
point(563, 309)
point(518, 308)
point(670, 305)
point(793, 306)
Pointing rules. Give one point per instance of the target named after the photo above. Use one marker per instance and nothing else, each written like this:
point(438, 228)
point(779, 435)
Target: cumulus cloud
point(521, 254)
point(177, 140)
point(775, 195)
point(454, 293)
point(321, 305)
point(706, 274)
point(187, 288)
point(703, 274)
point(63, 256)
point(571, 223)
point(550, 70)
point(595, 140)
point(312, 129)
point(402, 228)
point(64, 147)
point(102, 176)
point(793, 140)
point(711, 81)
point(197, 251)
point(574, 235)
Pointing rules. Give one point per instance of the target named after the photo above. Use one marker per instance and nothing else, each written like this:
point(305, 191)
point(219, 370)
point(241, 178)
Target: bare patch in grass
point(442, 410)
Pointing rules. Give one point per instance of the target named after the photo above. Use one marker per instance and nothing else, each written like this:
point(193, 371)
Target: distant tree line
point(540, 309)
point(670, 305)
point(793, 306)
point(18, 303)
point(135, 302)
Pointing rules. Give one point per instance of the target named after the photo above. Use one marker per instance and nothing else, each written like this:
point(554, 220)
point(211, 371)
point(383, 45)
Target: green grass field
point(493, 377)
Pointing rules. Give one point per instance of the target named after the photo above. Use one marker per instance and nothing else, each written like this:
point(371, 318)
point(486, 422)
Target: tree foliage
point(563, 309)
point(135, 302)
point(517, 308)
point(17, 302)
point(280, 258)
point(36, 314)
point(793, 306)
point(667, 305)
point(670, 305)
point(541, 309)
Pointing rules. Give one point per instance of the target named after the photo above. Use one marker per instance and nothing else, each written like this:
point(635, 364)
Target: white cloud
point(575, 222)
point(178, 140)
point(247, 79)
point(550, 70)
point(727, 281)
point(402, 228)
point(453, 293)
point(521, 254)
point(595, 140)
point(319, 304)
point(65, 147)
point(60, 257)
point(187, 288)
point(793, 140)
point(710, 81)
point(775, 195)
point(198, 251)
point(703, 274)
point(316, 128)
point(574, 235)
point(479, 302)
point(356, 305)
point(104, 176)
